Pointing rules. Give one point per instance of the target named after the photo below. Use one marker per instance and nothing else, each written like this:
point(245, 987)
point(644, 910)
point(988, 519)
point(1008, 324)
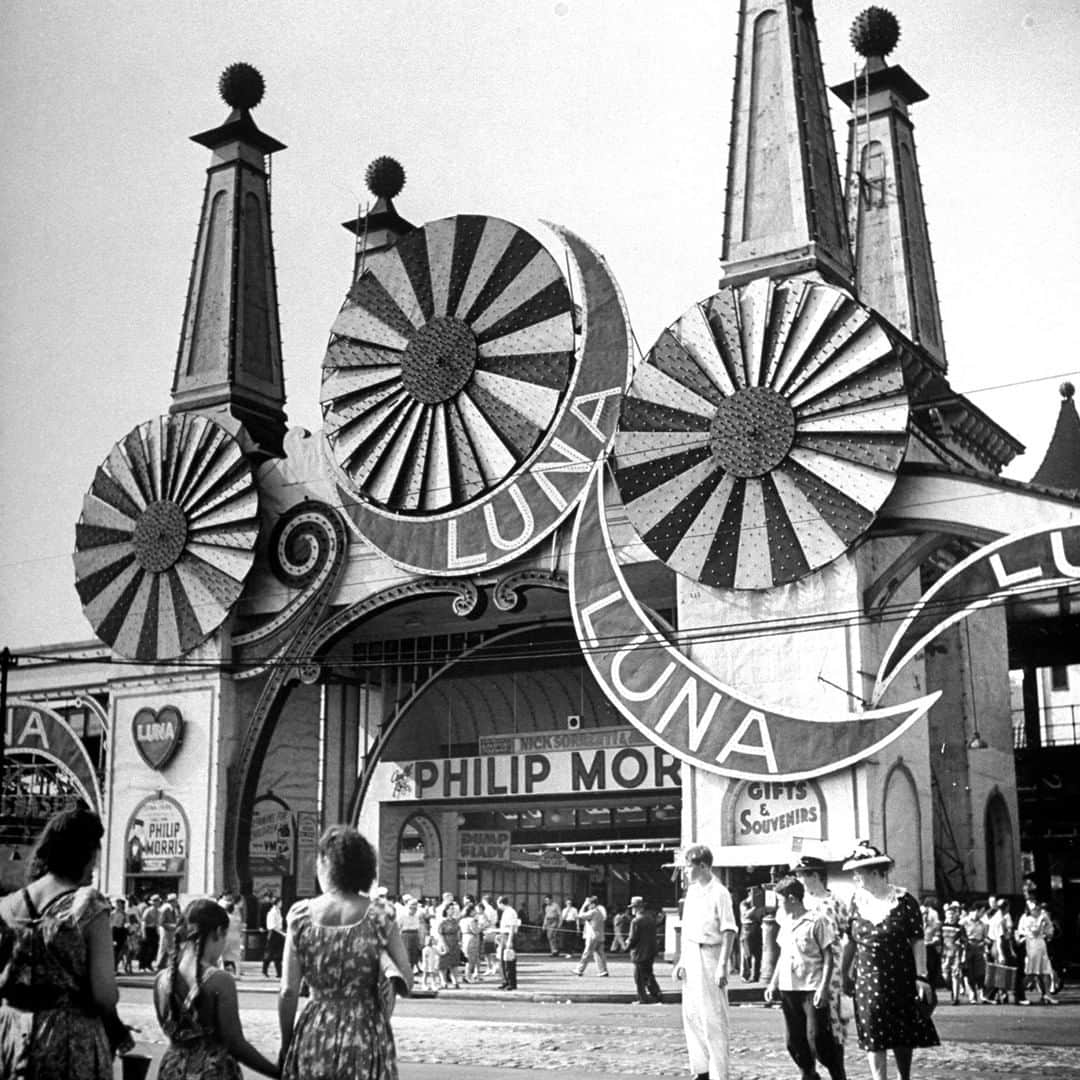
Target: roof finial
point(1067, 390)
point(241, 86)
point(875, 32)
point(385, 178)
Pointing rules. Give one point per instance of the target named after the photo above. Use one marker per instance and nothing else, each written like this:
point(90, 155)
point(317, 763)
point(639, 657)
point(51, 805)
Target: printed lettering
point(527, 522)
point(763, 749)
point(616, 673)
point(586, 779)
point(455, 561)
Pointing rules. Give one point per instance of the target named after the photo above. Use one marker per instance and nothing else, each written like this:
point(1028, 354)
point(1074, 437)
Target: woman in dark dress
point(885, 966)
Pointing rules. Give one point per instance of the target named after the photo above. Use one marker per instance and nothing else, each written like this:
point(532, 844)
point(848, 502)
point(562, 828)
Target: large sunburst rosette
point(762, 433)
point(446, 364)
point(166, 537)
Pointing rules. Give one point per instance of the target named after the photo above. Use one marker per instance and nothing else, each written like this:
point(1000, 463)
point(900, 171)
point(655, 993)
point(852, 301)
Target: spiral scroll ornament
point(166, 537)
point(447, 365)
point(762, 434)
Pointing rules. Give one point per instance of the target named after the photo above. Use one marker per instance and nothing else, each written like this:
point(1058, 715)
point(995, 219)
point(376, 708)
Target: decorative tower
point(229, 362)
point(784, 211)
point(382, 226)
point(1060, 467)
point(894, 271)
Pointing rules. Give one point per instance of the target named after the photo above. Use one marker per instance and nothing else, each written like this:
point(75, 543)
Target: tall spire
point(1060, 467)
point(894, 271)
point(784, 211)
point(229, 360)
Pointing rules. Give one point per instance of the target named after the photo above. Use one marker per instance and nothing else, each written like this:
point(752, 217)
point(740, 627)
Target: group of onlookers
point(982, 953)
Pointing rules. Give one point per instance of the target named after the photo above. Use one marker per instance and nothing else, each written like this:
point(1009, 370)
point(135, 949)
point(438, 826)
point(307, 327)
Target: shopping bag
point(999, 977)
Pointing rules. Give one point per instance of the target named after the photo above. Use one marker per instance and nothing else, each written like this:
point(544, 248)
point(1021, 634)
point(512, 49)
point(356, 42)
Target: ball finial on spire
point(875, 32)
point(241, 86)
point(1067, 390)
point(385, 177)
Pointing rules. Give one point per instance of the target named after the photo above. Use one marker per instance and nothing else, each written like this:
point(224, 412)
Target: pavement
point(585, 1026)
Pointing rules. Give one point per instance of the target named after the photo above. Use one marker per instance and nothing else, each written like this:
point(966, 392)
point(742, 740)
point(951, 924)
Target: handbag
point(509, 953)
point(926, 1008)
point(999, 976)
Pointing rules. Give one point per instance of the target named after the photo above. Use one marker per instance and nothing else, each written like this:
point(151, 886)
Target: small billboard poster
point(157, 838)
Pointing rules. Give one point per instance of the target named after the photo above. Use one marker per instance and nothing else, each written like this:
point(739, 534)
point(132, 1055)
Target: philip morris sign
point(573, 772)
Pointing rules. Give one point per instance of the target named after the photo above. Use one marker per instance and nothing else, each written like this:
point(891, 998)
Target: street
point(473, 1039)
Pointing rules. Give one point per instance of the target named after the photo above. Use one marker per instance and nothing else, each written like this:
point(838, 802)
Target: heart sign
point(158, 734)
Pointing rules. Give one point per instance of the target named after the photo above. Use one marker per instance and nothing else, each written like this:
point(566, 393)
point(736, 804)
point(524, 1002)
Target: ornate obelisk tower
point(229, 362)
point(784, 210)
point(894, 271)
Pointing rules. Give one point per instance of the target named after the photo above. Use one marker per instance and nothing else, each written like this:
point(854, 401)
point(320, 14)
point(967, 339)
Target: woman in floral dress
point(336, 943)
point(57, 977)
point(470, 942)
point(892, 994)
point(449, 934)
point(196, 1004)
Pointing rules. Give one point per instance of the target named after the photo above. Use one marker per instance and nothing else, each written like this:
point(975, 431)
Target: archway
point(902, 821)
point(420, 861)
point(1000, 846)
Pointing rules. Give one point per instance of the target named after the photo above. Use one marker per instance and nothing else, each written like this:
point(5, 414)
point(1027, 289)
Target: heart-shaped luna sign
point(158, 734)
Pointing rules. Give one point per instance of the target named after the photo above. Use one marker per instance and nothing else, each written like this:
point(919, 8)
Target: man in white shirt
point(275, 938)
point(708, 932)
point(593, 916)
point(802, 976)
point(507, 951)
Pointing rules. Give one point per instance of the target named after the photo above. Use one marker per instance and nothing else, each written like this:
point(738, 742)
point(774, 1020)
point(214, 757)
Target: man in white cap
point(708, 932)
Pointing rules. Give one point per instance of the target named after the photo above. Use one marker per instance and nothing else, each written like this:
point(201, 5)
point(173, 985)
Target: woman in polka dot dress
point(892, 994)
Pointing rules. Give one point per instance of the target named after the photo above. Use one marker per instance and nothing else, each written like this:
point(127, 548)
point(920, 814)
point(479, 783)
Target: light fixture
point(977, 742)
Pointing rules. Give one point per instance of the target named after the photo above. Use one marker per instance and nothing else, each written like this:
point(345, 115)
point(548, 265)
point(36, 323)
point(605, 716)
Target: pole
point(6, 661)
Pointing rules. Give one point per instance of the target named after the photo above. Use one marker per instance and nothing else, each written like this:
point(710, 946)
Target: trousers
point(809, 1034)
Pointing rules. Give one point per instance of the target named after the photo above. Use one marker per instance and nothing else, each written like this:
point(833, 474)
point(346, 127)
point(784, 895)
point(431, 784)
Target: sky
point(610, 117)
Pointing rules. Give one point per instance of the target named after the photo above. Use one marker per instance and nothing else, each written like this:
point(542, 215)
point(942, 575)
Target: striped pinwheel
point(166, 537)
point(762, 434)
point(446, 365)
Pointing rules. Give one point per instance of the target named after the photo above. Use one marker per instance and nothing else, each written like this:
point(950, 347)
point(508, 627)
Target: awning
point(829, 851)
point(578, 848)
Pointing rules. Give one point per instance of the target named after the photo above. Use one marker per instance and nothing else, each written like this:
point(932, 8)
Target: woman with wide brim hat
point(885, 966)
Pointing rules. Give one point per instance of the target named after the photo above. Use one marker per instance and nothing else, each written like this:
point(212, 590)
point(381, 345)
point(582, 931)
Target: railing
point(1059, 725)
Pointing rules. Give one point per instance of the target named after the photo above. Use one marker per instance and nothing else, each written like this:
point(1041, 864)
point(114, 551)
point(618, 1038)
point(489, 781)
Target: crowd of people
point(878, 955)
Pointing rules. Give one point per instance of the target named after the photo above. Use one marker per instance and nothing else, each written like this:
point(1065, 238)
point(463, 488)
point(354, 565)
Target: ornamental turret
point(894, 270)
point(229, 361)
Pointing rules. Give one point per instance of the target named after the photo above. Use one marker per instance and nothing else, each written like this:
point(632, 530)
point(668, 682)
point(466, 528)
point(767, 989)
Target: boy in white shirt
point(802, 976)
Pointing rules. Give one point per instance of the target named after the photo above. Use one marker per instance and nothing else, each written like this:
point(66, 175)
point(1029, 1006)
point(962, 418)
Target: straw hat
point(866, 856)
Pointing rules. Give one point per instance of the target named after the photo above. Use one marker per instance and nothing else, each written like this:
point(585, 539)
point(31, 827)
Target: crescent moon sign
point(530, 503)
point(680, 706)
point(1035, 560)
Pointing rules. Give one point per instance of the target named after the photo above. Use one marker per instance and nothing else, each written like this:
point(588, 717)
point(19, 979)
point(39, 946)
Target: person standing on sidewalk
point(275, 938)
point(750, 916)
point(708, 932)
point(802, 978)
point(168, 916)
point(568, 934)
point(593, 916)
point(641, 945)
point(507, 948)
point(150, 917)
point(621, 925)
point(552, 917)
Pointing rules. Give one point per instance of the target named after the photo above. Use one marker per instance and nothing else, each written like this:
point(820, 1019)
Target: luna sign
point(680, 706)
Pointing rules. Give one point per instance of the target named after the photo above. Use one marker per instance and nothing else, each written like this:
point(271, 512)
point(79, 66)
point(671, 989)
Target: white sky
point(608, 116)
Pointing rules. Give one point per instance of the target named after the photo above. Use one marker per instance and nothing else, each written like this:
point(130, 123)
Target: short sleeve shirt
point(803, 944)
point(707, 913)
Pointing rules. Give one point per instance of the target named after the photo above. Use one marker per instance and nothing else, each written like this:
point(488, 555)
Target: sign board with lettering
point(769, 810)
point(544, 741)
point(157, 838)
point(158, 734)
point(484, 845)
point(307, 849)
point(273, 834)
point(33, 731)
point(564, 772)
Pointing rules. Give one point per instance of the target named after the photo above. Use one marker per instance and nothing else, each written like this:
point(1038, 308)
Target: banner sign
point(572, 772)
point(157, 838)
point(590, 739)
point(1022, 562)
point(272, 833)
point(307, 849)
point(767, 810)
point(679, 705)
point(484, 846)
point(30, 730)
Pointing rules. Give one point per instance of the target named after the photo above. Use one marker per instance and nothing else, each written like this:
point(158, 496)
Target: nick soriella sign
point(559, 772)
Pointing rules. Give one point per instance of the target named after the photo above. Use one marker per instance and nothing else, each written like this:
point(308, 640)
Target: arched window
point(903, 827)
point(1001, 861)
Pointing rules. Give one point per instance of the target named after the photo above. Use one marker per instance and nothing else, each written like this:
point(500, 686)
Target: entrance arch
point(420, 859)
point(903, 825)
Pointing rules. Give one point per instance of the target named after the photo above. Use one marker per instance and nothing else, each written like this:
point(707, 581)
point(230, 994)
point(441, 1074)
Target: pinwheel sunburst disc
point(447, 365)
point(166, 537)
point(762, 434)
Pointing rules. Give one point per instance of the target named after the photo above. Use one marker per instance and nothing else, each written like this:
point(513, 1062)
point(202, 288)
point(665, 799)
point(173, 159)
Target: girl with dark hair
point(196, 1004)
point(57, 976)
point(338, 944)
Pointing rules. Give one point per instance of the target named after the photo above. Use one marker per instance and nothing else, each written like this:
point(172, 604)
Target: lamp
point(977, 742)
